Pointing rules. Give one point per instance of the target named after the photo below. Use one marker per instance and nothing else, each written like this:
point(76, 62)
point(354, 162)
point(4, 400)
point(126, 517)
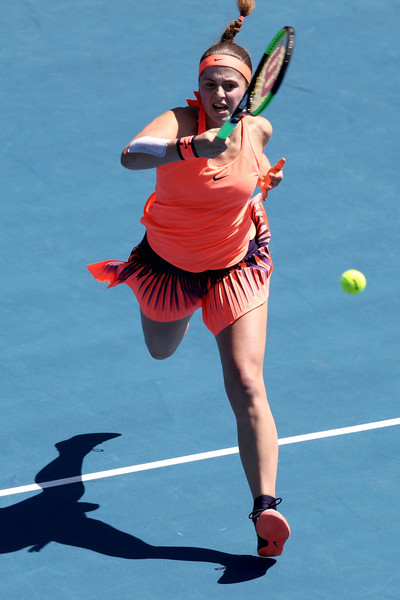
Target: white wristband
point(149, 145)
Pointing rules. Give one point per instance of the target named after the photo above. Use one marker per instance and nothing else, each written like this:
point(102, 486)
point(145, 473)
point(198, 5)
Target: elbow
point(125, 159)
point(131, 161)
point(136, 161)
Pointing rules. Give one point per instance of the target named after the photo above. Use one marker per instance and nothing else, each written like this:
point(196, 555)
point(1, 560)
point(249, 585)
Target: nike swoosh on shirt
point(217, 178)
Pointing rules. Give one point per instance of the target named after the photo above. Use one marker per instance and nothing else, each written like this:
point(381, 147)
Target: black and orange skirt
point(167, 293)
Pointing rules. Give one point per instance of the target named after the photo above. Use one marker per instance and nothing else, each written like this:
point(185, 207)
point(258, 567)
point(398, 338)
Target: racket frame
point(243, 108)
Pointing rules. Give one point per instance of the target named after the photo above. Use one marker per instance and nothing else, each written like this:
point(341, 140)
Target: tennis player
point(206, 246)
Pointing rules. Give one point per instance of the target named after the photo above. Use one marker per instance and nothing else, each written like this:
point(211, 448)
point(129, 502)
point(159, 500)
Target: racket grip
point(278, 166)
point(226, 130)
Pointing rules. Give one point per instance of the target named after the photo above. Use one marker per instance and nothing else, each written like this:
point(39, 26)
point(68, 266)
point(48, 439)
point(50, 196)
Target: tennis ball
point(353, 281)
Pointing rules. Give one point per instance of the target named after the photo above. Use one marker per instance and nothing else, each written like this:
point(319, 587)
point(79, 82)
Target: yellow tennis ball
point(353, 281)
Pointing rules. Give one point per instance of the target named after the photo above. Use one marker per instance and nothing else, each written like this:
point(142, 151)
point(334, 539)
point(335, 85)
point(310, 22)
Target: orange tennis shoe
point(272, 530)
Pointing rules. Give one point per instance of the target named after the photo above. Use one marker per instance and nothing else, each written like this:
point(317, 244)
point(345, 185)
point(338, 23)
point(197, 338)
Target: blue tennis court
point(120, 476)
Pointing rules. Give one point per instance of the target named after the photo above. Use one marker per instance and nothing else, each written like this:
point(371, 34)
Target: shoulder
point(186, 118)
point(260, 129)
point(175, 122)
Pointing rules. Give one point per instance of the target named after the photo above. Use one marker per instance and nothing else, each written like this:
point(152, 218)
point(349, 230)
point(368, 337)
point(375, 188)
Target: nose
point(220, 92)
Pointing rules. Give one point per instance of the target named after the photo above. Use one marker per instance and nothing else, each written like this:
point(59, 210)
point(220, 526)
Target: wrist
point(186, 148)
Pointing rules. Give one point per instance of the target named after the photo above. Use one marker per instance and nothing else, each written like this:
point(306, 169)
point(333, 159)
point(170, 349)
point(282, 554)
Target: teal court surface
point(120, 477)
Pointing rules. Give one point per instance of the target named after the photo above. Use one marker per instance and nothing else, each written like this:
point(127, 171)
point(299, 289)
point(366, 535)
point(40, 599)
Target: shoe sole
point(273, 529)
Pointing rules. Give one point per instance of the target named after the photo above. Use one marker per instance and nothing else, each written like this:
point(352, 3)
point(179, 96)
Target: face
point(221, 89)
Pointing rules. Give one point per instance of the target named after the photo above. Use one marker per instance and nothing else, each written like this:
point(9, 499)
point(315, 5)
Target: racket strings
point(267, 77)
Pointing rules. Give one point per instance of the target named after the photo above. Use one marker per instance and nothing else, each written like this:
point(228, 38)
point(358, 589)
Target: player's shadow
point(56, 515)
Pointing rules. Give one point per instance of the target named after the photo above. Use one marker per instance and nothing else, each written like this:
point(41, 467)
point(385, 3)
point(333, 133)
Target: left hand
point(272, 178)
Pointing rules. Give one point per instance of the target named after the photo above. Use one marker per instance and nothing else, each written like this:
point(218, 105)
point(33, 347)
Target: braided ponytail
point(246, 7)
point(226, 45)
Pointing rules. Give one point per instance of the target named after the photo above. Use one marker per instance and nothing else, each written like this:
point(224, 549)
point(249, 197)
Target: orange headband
point(225, 60)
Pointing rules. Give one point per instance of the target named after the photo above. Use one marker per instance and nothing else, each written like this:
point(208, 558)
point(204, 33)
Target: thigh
point(242, 347)
point(163, 338)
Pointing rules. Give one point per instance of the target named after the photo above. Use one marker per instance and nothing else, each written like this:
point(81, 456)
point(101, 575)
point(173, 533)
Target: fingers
point(209, 146)
point(272, 178)
point(277, 167)
point(275, 174)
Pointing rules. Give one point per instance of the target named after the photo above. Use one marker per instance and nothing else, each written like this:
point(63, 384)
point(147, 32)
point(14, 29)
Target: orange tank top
point(199, 216)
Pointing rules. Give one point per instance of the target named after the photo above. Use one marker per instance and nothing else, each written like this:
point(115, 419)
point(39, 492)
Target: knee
point(158, 352)
point(162, 339)
point(159, 347)
point(158, 355)
point(246, 391)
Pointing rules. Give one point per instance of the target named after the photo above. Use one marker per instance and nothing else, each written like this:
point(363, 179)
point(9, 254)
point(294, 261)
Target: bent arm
point(165, 127)
point(265, 166)
point(270, 176)
point(161, 144)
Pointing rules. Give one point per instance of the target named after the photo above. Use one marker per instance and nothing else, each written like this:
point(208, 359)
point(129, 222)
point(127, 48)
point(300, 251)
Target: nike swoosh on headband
point(217, 178)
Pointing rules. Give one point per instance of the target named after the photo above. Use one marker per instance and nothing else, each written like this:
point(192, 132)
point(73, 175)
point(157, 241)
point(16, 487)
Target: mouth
point(221, 108)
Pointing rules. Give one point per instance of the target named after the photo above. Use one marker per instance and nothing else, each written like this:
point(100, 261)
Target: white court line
point(195, 457)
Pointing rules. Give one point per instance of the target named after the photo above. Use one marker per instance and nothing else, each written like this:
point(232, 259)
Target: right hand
point(207, 144)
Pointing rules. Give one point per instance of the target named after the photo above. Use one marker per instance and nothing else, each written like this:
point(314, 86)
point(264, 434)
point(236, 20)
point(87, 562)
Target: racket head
point(266, 80)
point(271, 71)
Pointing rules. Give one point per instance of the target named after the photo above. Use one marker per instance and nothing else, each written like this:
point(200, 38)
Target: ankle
point(262, 503)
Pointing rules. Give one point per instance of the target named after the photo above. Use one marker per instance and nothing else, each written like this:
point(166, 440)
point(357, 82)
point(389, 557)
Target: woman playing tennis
point(206, 246)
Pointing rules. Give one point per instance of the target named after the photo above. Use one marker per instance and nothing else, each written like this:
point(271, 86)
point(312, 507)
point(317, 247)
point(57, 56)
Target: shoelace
point(256, 513)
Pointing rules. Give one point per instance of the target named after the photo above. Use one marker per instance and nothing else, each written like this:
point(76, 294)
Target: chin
point(220, 119)
point(215, 120)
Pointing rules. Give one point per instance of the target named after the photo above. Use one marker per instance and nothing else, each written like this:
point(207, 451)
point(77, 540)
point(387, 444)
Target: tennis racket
point(265, 82)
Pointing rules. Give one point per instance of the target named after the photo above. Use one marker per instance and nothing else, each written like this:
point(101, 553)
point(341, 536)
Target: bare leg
point(242, 347)
point(162, 339)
